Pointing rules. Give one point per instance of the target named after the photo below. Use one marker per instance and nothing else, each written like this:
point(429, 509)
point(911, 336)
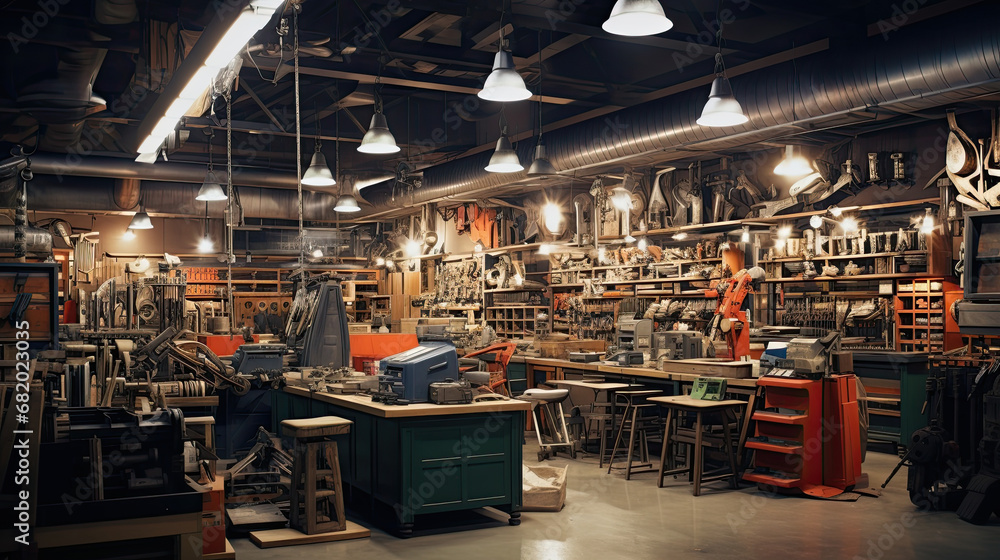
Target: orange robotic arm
point(730, 320)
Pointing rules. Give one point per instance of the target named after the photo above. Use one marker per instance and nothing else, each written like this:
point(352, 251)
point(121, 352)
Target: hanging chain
point(231, 205)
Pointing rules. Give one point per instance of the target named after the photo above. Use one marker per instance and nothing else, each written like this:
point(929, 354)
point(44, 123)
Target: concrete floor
point(607, 517)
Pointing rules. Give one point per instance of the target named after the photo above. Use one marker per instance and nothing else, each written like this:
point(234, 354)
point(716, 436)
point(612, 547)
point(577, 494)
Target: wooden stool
point(316, 488)
point(636, 424)
point(698, 440)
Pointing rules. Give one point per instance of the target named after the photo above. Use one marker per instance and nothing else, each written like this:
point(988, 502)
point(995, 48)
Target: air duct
point(915, 71)
point(37, 241)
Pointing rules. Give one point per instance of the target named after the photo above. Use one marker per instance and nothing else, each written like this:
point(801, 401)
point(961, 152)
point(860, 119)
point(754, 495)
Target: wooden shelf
point(842, 257)
point(858, 278)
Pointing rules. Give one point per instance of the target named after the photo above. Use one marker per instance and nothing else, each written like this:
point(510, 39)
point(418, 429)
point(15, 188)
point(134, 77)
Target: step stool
point(317, 498)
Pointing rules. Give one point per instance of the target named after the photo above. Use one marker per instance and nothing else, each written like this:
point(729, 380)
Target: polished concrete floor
point(608, 517)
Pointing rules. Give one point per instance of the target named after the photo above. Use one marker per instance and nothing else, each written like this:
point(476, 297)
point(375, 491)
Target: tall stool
point(637, 420)
point(700, 438)
point(317, 498)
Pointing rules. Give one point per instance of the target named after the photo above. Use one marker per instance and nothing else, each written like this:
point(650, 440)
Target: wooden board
point(291, 537)
point(229, 554)
point(363, 403)
point(736, 370)
point(561, 349)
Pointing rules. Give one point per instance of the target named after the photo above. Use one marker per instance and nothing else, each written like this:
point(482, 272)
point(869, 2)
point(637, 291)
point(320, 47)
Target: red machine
point(496, 357)
point(730, 319)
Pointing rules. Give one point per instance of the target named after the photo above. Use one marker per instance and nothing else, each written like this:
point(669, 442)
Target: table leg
point(666, 448)
point(697, 454)
point(730, 452)
point(631, 442)
point(618, 437)
point(745, 427)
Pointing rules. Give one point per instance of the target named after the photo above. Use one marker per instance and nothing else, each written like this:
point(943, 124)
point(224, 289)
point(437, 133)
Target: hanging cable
point(298, 128)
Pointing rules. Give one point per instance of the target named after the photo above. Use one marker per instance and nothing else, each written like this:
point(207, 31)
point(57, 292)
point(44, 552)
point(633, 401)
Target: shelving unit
point(515, 322)
point(920, 314)
point(781, 437)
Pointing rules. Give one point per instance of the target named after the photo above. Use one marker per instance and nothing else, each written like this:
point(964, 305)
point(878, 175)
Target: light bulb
point(129, 235)
point(643, 244)
point(784, 232)
point(552, 217)
point(836, 211)
point(206, 245)
point(380, 262)
point(927, 226)
point(849, 224)
point(745, 238)
point(815, 221)
point(478, 248)
point(412, 248)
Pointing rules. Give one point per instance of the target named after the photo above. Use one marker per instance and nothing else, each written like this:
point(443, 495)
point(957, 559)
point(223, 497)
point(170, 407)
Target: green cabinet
point(400, 468)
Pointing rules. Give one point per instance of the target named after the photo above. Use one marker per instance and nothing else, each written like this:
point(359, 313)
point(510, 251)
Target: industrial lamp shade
point(722, 109)
point(635, 18)
point(318, 174)
point(347, 203)
point(504, 84)
point(792, 165)
point(211, 190)
point(504, 158)
point(541, 166)
point(378, 139)
point(140, 221)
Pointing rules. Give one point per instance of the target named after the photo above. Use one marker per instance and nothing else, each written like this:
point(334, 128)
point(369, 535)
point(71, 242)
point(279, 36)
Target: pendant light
point(504, 159)
point(792, 165)
point(346, 201)
point(722, 108)
point(540, 166)
point(636, 18)
point(205, 244)
point(504, 84)
point(140, 220)
point(211, 189)
point(318, 174)
point(378, 139)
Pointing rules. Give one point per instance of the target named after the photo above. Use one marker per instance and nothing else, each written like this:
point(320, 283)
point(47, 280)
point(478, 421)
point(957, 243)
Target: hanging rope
point(298, 129)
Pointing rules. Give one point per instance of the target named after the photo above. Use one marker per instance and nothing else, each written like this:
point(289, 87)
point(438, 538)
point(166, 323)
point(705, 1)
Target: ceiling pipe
point(913, 72)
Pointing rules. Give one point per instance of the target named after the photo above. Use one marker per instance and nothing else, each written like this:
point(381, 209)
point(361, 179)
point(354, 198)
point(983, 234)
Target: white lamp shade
point(347, 203)
point(541, 166)
point(140, 221)
point(318, 174)
point(211, 190)
point(378, 139)
point(722, 108)
point(504, 159)
point(792, 165)
point(504, 84)
point(635, 18)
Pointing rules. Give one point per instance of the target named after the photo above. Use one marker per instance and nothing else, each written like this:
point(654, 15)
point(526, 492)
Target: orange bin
point(371, 347)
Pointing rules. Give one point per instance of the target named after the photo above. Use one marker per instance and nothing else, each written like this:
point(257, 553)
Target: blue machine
point(410, 373)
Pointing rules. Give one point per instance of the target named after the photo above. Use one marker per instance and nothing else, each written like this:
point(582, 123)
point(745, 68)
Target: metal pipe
point(37, 241)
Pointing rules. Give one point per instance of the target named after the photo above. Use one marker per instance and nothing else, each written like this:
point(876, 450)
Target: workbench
point(403, 462)
point(636, 374)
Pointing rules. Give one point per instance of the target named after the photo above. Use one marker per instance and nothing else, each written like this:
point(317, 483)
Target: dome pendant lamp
point(504, 84)
point(346, 202)
point(504, 159)
point(318, 174)
point(722, 108)
point(637, 18)
point(541, 166)
point(378, 139)
point(211, 189)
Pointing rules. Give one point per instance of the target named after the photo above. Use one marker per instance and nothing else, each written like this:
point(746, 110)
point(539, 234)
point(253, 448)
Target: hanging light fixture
point(540, 166)
point(211, 189)
point(636, 18)
point(792, 165)
point(140, 220)
point(722, 108)
point(504, 158)
point(816, 221)
point(378, 139)
point(318, 174)
point(345, 202)
point(504, 84)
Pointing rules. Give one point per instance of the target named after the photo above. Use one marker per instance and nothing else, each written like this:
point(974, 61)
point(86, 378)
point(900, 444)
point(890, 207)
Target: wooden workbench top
point(363, 403)
point(645, 372)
